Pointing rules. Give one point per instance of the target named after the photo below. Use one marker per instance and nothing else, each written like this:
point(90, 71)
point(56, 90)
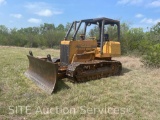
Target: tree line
point(133, 40)
point(45, 35)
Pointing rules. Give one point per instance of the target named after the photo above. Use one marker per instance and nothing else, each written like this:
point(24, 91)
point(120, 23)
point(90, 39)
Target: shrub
point(43, 47)
point(152, 57)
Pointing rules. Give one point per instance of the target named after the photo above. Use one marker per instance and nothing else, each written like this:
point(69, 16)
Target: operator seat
point(106, 38)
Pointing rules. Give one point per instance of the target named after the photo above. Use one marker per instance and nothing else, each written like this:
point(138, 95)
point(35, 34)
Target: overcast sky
point(25, 13)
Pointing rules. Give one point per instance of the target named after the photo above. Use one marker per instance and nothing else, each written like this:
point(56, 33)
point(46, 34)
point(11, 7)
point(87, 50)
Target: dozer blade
point(43, 73)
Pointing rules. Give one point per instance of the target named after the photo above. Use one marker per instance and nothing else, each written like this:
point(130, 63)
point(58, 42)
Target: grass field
point(133, 95)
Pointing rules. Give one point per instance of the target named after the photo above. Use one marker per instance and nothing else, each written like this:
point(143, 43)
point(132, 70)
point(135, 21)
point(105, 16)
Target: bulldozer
point(82, 57)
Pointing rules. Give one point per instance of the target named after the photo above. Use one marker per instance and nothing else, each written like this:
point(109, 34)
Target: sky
point(26, 13)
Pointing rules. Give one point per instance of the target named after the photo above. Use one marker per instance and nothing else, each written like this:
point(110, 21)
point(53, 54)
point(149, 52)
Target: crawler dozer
point(82, 57)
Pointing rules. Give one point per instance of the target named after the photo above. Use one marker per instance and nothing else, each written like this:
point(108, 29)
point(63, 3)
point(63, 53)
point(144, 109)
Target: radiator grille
point(64, 55)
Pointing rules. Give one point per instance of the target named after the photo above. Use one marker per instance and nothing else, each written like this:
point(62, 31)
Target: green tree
point(46, 27)
point(60, 27)
point(155, 33)
point(4, 35)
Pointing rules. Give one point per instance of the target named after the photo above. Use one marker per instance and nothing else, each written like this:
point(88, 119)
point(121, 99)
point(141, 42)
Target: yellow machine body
point(85, 50)
point(110, 49)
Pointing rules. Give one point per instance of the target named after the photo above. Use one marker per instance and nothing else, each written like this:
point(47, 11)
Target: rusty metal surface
point(43, 73)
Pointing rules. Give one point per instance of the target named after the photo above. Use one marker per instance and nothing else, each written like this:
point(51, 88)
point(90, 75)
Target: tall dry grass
point(136, 91)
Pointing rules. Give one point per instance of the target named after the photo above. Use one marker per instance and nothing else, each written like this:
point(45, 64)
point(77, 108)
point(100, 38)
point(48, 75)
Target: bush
point(56, 47)
point(152, 57)
point(43, 47)
point(144, 46)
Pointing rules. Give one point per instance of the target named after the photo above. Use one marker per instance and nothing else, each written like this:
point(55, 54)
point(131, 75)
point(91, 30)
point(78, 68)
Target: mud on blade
point(43, 73)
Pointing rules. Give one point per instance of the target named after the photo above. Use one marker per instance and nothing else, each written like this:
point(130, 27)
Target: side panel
point(82, 46)
point(70, 48)
point(110, 49)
